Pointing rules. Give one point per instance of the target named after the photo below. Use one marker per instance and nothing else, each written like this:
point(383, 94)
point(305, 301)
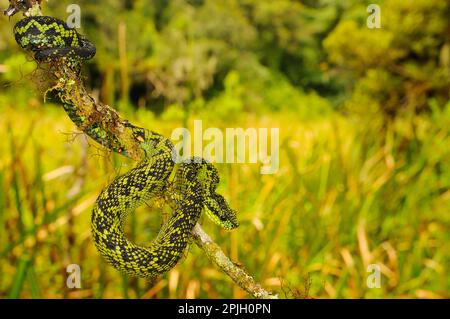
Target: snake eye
point(139, 135)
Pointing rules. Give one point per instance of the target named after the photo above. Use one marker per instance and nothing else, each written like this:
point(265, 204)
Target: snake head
point(218, 210)
point(216, 207)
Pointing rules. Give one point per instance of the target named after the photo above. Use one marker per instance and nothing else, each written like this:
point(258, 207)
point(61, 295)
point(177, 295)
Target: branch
point(72, 91)
point(237, 274)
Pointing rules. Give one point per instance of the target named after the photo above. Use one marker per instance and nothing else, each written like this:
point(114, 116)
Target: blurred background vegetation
point(365, 147)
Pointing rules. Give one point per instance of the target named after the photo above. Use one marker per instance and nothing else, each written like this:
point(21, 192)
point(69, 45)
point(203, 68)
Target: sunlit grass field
point(345, 197)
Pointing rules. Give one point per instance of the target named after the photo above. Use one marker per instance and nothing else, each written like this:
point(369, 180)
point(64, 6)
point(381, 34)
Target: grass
point(346, 196)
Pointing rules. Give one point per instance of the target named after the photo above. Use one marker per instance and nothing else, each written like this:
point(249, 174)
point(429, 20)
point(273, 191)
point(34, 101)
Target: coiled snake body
point(194, 183)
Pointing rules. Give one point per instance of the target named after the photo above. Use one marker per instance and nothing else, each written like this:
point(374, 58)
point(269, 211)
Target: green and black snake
point(194, 184)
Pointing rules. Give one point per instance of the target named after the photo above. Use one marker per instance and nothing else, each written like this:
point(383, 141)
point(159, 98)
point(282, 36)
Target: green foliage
point(399, 66)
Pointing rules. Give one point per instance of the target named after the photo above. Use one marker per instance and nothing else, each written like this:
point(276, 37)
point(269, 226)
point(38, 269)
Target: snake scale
point(194, 184)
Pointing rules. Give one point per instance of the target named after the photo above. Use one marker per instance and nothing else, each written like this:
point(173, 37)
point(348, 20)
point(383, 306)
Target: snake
point(192, 182)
